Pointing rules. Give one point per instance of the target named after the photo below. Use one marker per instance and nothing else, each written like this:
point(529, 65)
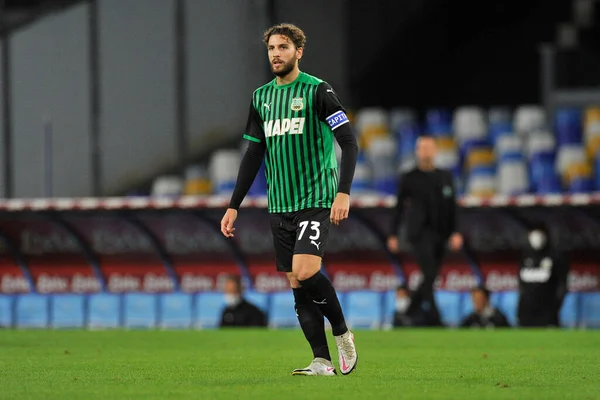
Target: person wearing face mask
point(416, 317)
point(484, 315)
point(543, 273)
point(238, 311)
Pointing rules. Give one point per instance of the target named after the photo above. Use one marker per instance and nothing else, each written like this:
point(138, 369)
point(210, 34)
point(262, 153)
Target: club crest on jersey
point(297, 104)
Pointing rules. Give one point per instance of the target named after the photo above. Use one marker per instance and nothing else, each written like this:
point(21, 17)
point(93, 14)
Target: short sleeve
point(254, 127)
point(329, 107)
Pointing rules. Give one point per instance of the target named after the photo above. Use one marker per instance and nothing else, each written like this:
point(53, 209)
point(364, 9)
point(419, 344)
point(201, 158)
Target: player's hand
point(392, 244)
point(456, 241)
point(227, 222)
point(340, 208)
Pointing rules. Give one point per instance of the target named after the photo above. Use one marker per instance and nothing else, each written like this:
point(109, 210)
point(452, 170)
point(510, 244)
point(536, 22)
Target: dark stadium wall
point(51, 81)
point(2, 155)
point(325, 26)
point(427, 53)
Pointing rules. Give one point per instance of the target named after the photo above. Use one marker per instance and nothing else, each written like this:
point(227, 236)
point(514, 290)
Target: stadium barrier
point(158, 246)
point(363, 309)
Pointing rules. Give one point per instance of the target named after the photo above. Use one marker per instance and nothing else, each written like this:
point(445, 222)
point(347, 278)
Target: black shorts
point(300, 232)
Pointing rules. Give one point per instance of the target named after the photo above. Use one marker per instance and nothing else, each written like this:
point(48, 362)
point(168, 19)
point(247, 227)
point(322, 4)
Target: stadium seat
point(31, 311)
point(197, 181)
point(208, 309)
point(508, 304)
point(67, 311)
point(407, 135)
point(104, 310)
point(381, 156)
point(259, 299)
point(400, 116)
point(590, 310)
point(447, 159)
point(541, 166)
point(281, 310)
point(513, 178)
point(592, 146)
point(6, 311)
point(362, 177)
point(480, 157)
point(508, 145)
point(449, 305)
point(364, 309)
point(469, 122)
point(175, 310)
point(540, 142)
point(569, 311)
point(498, 130)
point(528, 118)
point(568, 126)
point(568, 155)
point(223, 169)
point(581, 185)
point(591, 115)
point(167, 186)
point(438, 122)
point(482, 182)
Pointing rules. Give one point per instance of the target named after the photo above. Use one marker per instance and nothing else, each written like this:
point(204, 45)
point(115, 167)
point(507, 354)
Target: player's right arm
point(248, 169)
point(392, 241)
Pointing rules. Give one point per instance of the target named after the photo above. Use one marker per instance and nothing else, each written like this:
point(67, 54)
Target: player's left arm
point(331, 111)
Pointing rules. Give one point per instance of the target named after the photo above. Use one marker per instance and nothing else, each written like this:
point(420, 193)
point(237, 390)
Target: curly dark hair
point(295, 34)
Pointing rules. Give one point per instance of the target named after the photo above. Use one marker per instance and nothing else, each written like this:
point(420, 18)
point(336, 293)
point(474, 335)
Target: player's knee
point(294, 284)
point(305, 266)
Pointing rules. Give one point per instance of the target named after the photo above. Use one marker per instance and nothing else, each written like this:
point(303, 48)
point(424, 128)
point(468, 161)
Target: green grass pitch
point(255, 364)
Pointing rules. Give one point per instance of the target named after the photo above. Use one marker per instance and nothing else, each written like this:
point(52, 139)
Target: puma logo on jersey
point(279, 127)
point(316, 244)
point(267, 106)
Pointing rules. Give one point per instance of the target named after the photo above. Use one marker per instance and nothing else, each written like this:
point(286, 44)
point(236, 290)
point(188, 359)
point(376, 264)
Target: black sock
point(312, 323)
point(323, 294)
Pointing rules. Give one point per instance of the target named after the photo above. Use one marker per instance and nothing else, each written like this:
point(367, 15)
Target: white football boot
point(347, 356)
point(318, 367)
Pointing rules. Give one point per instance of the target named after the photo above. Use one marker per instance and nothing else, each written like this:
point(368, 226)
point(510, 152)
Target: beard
point(285, 69)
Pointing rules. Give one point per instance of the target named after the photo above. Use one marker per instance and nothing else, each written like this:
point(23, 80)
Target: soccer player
point(292, 123)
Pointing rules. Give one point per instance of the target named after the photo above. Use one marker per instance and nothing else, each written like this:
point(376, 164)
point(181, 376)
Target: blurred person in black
point(238, 311)
point(427, 195)
point(543, 271)
point(419, 317)
point(484, 315)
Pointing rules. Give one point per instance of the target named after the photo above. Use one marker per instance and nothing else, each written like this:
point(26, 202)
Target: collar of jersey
point(287, 85)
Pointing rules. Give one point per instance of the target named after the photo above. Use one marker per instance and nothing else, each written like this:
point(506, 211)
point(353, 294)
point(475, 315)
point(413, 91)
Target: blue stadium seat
point(139, 310)
point(209, 307)
point(590, 310)
point(581, 185)
point(438, 121)
point(32, 311)
point(6, 311)
point(569, 311)
point(67, 311)
point(104, 310)
point(509, 302)
point(389, 308)
point(259, 299)
point(175, 310)
point(568, 126)
point(364, 309)
point(449, 305)
point(281, 310)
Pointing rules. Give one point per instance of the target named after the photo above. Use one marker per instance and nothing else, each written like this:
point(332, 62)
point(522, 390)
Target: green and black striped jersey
point(296, 123)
